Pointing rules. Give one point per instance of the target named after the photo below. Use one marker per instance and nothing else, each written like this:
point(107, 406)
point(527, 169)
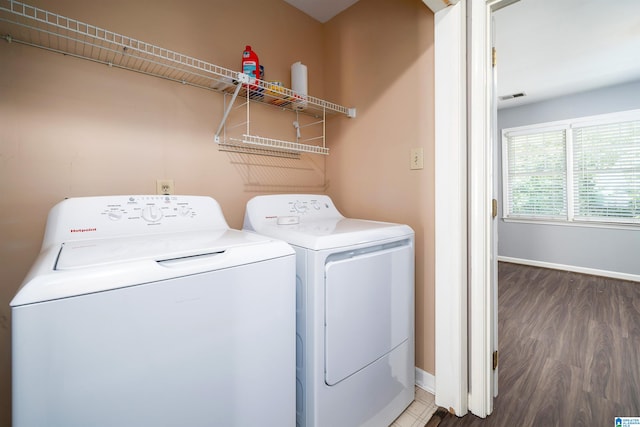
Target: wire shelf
point(282, 145)
point(233, 146)
point(22, 23)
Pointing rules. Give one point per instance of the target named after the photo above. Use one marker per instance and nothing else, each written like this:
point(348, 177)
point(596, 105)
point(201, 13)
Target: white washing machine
point(355, 310)
point(150, 311)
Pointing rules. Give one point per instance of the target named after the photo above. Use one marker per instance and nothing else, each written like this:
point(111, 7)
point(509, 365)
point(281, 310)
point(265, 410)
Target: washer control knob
point(315, 205)
point(184, 210)
point(300, 207)
point(151, 214)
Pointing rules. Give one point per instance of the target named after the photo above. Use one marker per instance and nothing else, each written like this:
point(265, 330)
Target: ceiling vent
point(513, 95)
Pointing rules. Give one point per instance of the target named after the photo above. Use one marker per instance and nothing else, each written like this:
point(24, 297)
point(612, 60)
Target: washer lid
point(84, 267)
point(333, 232)
point(158, 247)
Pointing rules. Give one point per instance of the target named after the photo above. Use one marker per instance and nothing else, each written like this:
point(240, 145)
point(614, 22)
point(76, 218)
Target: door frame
point(465, 298)
point(480, 303)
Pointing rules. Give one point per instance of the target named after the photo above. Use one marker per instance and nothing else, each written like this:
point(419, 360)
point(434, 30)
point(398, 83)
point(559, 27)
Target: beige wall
point(74, 128)
point(379, 57)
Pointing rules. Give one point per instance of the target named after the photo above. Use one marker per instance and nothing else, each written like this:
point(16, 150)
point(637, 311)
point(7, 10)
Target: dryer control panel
point(310, 206)
point(289, 209)
point(85, 218)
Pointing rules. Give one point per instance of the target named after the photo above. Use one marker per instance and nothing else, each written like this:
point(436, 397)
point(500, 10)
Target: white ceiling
point(549, 48)
point(321, 10)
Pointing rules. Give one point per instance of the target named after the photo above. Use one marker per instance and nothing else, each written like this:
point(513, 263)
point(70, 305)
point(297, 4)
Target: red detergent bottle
point(250, 64)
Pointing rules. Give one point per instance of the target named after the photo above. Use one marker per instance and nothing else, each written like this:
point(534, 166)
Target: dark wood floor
point(569, 350)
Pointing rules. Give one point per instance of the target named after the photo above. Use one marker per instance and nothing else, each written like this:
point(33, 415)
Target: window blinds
point(536, 174)
point(579, 170)
point(606, 172)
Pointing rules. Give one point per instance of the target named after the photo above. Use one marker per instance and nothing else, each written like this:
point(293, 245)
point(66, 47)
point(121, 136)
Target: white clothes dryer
point(150, 311)
point(355, 310)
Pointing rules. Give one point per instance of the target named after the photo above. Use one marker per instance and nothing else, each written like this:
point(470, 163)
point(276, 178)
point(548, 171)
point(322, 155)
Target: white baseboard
point(575, 269)
point(425, 381)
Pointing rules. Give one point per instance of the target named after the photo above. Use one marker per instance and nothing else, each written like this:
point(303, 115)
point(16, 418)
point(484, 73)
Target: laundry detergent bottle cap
point(250, 63)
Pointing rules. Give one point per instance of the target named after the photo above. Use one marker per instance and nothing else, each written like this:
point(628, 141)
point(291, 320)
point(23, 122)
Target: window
point(583, 170)
point(537, 174)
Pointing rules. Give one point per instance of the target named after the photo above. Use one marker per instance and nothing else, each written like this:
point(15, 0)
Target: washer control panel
point(152, 209)
point(84, 218)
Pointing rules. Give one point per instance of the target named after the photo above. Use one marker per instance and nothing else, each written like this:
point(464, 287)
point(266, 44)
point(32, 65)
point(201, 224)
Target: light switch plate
point(417, 158)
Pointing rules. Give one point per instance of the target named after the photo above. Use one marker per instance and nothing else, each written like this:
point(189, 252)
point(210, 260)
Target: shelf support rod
point(242, 78)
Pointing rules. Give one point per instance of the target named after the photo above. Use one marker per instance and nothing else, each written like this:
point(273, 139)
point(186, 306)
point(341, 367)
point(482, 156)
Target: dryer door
point(367, 306)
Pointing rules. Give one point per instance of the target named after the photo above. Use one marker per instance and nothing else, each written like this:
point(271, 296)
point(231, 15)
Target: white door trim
point(480, 194)
point(451, 209)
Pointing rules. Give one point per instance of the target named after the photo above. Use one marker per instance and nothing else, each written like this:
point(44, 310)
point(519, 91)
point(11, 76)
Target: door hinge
point(494, 59)
point(494, 208)
point(495, 360)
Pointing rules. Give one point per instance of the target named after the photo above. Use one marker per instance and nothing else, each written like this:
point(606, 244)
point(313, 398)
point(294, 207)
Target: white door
point(466, 275)
point(451, 209)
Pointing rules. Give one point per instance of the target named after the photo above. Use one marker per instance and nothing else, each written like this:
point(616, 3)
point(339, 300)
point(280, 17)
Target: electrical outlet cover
point(164, 186)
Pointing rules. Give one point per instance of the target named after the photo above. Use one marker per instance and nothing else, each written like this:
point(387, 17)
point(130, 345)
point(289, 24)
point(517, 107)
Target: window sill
point(565, 223)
